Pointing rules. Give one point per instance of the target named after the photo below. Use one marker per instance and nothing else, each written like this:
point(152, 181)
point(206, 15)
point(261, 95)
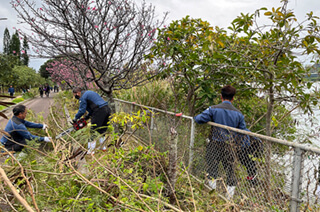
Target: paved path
point(37, 105)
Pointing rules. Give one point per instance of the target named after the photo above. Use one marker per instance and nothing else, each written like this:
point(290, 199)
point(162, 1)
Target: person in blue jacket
point(98, 110)
point(17, 130)
point(11, 90)
point(221, 141)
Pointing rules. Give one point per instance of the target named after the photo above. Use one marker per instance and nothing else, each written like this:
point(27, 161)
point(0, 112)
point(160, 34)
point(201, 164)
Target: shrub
point(17, 100)
point(30, 94)
point(27, 95)
point(155, 94)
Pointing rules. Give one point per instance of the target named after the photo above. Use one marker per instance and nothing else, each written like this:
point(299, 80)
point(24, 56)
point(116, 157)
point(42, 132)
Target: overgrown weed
point(127, 177)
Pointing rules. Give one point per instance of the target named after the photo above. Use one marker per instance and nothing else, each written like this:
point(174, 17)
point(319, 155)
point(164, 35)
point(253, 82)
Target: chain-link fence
point(157, 129)
point(267, 174)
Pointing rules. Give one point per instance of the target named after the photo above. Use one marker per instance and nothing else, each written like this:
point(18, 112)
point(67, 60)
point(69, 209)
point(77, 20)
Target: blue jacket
point(225, 114)
point(89, 101)
point(17, 128)
point(11, 90)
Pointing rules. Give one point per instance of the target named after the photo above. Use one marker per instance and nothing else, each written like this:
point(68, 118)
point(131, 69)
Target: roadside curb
point(7, 110)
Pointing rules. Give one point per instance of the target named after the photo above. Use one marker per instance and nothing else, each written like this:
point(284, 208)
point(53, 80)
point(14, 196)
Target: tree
point(266, 57)
point(6, 42)
point(43, 69)
point(73, 74)
point(25, 77)
point(7, 63)
point(108, 37)
point(15, 45)
point(24, 52)
point(182, 50)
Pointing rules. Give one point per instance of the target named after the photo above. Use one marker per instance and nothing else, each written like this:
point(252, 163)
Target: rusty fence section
point(269, 174)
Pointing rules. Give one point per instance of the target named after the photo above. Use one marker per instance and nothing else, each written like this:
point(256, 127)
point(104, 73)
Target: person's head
point(228, 92)
point(10, 86)
point(20, 111)
point(77, 92)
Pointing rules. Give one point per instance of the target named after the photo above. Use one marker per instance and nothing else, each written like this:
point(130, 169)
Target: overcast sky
point(216, 12)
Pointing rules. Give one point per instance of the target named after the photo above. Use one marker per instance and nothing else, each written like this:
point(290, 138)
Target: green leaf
point(268, 13)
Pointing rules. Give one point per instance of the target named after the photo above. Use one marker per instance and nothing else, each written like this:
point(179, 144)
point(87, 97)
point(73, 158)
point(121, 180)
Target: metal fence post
point(296, 180)
point(191, 146)
point(152, 122)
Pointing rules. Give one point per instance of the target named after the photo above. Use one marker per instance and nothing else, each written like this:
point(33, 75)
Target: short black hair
point(76, 90)
point(228, 92)
point(18, 109)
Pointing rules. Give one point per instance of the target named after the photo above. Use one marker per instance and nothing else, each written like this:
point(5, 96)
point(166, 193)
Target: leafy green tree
point(7, 63)
point(182, 50)
point(6, 42)
point(15, 45)
point(43, 69)
point(24, 52)
point(26, 77)
point(266, 57)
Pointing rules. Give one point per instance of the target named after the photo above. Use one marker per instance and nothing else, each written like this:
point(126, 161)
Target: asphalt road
point(37, 105)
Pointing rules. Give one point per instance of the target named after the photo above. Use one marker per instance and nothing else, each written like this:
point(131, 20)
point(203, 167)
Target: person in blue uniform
point(11, 90)
point(223, 143)
point(17, 130)
point(98, 110)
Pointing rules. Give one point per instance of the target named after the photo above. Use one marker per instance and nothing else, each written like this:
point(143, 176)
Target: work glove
point(86, 117)
point(47, 139)
point(74, 120)
point(44, 126)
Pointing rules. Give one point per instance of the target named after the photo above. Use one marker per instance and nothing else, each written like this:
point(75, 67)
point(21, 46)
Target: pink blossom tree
point(109, 37)
point(64, 71)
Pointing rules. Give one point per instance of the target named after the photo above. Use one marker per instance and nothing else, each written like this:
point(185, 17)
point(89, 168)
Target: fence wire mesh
point(267, 175)
point(157, 130)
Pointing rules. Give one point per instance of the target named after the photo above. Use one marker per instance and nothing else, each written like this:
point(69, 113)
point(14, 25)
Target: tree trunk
point(111, 102)
point(268, 144)
point(112, 105)
point(190, 101)
point(172, 167)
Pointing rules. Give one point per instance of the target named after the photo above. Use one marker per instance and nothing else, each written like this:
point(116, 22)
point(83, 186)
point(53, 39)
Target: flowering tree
point(71, 73)
point(109, 37)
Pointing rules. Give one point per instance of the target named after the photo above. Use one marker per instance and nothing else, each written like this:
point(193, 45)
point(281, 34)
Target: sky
point(217, 12)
